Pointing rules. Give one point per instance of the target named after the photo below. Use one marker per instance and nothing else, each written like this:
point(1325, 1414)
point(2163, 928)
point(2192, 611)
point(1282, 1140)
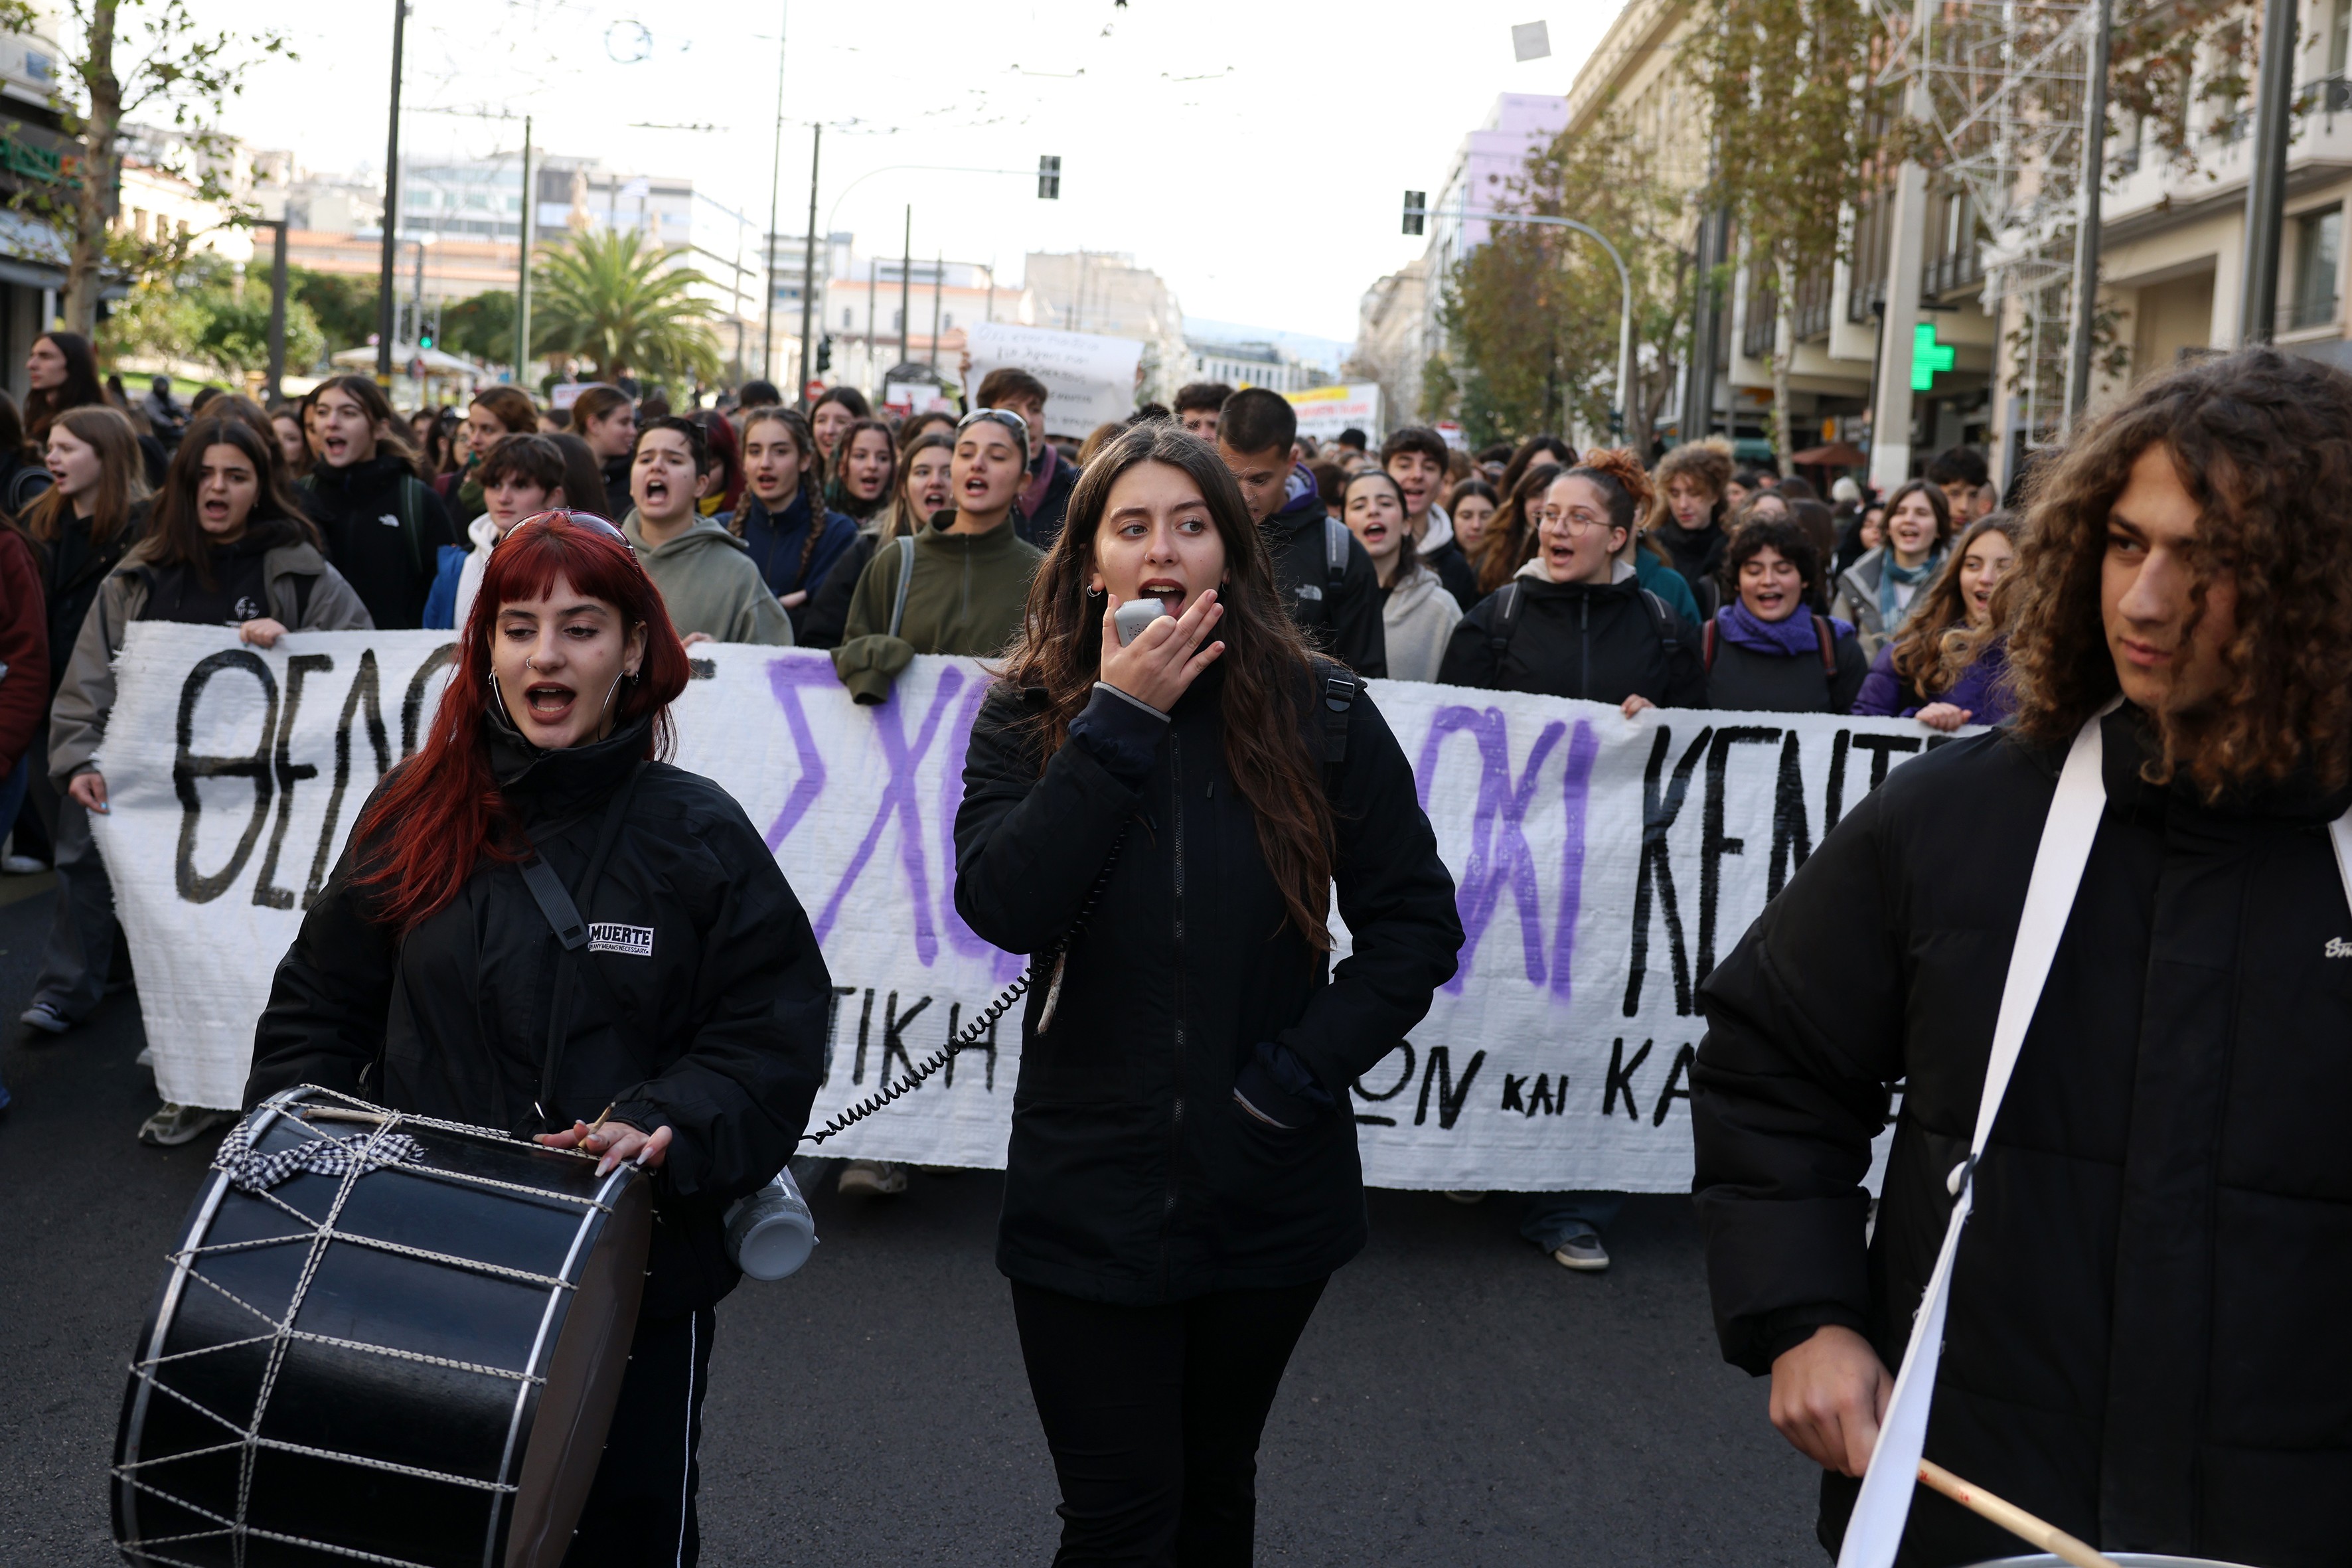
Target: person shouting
point(863, 467)
point(1324, 578)
point(1183, 1177)
point(1876, 593)
point(1576, 621)
point(228, 546)
point(427, 978)
point(782, 520)
point(712, 589)
point(382, 525)
point(1948, 665)
point(1046, 491)
point(522, 477)
point(1418, 459)
point(1417, 615)
point(2137, 1340)
point(926, 473)
point(1766, 650)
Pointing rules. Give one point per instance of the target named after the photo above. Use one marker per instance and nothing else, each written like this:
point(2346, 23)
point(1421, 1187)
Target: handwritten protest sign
point(1089, 380)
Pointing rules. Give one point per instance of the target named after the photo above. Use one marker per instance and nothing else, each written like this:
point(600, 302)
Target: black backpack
point(1511, 602)
point(1824, 639)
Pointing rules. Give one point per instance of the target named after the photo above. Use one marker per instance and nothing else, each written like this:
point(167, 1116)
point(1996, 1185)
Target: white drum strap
point(1875, 1530)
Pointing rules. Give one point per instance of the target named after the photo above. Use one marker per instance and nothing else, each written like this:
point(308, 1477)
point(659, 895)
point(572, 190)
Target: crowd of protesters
point(1290, 571)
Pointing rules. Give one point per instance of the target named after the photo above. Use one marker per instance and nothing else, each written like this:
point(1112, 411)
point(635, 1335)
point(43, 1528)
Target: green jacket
point(967, 597)
point(710, 586)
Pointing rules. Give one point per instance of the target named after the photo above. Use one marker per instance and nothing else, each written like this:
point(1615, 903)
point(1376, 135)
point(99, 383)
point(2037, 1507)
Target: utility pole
point(387, 306)
point(775, 183)
point(2267, 179)
point(939, 283)
point(906, 283)
point(522, 271)
point(808, 272)
point(277, 309)
point(2086, 230)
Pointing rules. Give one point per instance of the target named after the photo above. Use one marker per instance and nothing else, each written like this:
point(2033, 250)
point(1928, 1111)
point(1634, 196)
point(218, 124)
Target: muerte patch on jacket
point(637, 941)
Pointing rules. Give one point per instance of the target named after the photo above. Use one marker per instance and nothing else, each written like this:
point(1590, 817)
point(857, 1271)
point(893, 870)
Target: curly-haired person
point(2132, 1147)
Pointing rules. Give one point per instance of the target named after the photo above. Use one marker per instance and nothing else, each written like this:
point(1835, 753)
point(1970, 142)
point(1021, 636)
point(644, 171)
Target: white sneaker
point(1582, 1253)
point(16, 865)
point(873, 1178)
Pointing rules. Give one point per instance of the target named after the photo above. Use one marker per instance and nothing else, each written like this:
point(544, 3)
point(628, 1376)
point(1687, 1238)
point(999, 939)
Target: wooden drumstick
point(2013, 1519)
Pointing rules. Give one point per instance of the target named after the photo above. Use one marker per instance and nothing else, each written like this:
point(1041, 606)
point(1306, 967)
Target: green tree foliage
point(618, 306)
point(1533, 314)
point(1798, 123)
point(343, 305)
point(482, 327)
point(179, 68)
point(204, 312)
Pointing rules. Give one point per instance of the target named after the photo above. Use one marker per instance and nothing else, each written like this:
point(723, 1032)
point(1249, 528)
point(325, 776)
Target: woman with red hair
point(687, 1032)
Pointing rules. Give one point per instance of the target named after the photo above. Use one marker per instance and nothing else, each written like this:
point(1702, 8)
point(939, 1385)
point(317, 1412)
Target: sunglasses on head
point(587, 519)
point(1004, 416)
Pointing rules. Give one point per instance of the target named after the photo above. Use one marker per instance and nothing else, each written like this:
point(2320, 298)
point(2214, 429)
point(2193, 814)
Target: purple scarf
point(1789, 636)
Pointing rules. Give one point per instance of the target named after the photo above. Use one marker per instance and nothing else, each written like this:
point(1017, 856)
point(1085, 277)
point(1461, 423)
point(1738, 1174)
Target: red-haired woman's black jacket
point(1131, 1175)
point(711, 953)
point(2146, 1343)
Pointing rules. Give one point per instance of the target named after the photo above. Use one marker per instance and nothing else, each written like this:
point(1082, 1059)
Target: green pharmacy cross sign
point(1929, 356)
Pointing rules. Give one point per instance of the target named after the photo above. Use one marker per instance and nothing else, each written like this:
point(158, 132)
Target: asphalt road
point(1458, 1399)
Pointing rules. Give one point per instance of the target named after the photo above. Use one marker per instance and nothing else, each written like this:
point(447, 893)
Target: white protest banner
point(1089, 380)
point(1603, 865)
point(1324, 411)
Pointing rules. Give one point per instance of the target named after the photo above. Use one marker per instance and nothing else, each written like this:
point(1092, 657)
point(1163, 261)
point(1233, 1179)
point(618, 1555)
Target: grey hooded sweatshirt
point(710, 585)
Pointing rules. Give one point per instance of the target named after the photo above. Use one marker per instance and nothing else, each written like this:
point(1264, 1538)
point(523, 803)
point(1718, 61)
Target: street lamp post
point(1624, 282)
point(387, 307)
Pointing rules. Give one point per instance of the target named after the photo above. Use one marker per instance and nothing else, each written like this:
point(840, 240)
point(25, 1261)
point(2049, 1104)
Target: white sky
point(1253, 151)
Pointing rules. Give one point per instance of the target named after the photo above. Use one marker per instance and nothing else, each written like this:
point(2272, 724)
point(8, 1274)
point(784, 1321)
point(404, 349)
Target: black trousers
point(1153, 1414)
point(640, 1512)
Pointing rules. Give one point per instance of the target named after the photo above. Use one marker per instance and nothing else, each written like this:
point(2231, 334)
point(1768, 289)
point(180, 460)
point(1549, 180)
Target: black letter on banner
point(1621, 1077)
point(1881, 749)
point(894, 1029)
point(832, 1023)
point(1440, 1071)
point(367, 684)
point(864, 1021)
point(265, 893)
point(1835, 808)
point(1511, 1100)
point(187, 768)
point(1656, 819)
point(1791, 839)
point(955, 1024)
point(1404, 1079)
point(412, 705)
point(1712, 845)
point(1539, 1098)
point(1675, 1074)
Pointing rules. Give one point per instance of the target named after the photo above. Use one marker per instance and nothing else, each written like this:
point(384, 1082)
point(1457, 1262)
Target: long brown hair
point(1920, 647)
point(2262, 443)
point(1511, 537)
point(812, 489)
point(902, 518)
point(390, 430)
point(176, 531)
point(80, 388)
point(121, 476)
point(1268, 674)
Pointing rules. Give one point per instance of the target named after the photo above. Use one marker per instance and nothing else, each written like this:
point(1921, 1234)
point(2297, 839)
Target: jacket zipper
point(1176, 1117)
point(1584, 632)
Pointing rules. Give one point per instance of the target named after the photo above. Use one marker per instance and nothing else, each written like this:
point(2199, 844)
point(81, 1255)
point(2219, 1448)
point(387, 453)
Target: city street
point(1458, 1399)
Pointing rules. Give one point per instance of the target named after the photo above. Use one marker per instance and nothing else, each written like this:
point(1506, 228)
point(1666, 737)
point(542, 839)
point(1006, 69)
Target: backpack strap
point(1825, 638)
point(302, 586)
point(1661, 620)
point(1706, 646)
point(1341, 690)
point(1510, 599)
point(906, 577)
point(412, 519)
point(1334, 555)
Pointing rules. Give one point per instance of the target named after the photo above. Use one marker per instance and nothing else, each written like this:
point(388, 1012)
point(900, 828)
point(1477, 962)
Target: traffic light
point(425, 340)
point(1049, 177)
point(1416, 211)
point(824, 353)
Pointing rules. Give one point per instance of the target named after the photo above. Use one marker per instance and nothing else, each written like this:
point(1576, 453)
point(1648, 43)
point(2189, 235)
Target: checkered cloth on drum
point(250, 1171)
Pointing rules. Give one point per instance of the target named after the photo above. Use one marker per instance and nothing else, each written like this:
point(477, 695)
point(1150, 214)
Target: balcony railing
point(2316, 311)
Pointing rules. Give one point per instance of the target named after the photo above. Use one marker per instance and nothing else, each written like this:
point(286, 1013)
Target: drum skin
point(440, 1394)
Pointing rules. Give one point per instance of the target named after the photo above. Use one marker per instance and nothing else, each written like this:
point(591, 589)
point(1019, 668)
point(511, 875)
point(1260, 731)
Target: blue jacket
point(776, 542)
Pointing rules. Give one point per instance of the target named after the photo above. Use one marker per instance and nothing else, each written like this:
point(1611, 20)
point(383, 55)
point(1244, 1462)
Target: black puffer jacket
point(72, 571)
point(1603, 644)
point(729, 1005)
point(2146, 1343)
point(1132, 1176)
point(1344, 622)
point(385, 529)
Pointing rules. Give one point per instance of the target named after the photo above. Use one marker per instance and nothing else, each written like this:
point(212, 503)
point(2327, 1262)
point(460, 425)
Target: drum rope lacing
point(383, 1147)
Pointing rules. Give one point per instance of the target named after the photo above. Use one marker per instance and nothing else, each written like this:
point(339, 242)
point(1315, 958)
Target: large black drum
point(381, 1339)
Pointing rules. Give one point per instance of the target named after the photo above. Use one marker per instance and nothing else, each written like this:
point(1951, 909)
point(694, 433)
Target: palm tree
point(622, 306)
